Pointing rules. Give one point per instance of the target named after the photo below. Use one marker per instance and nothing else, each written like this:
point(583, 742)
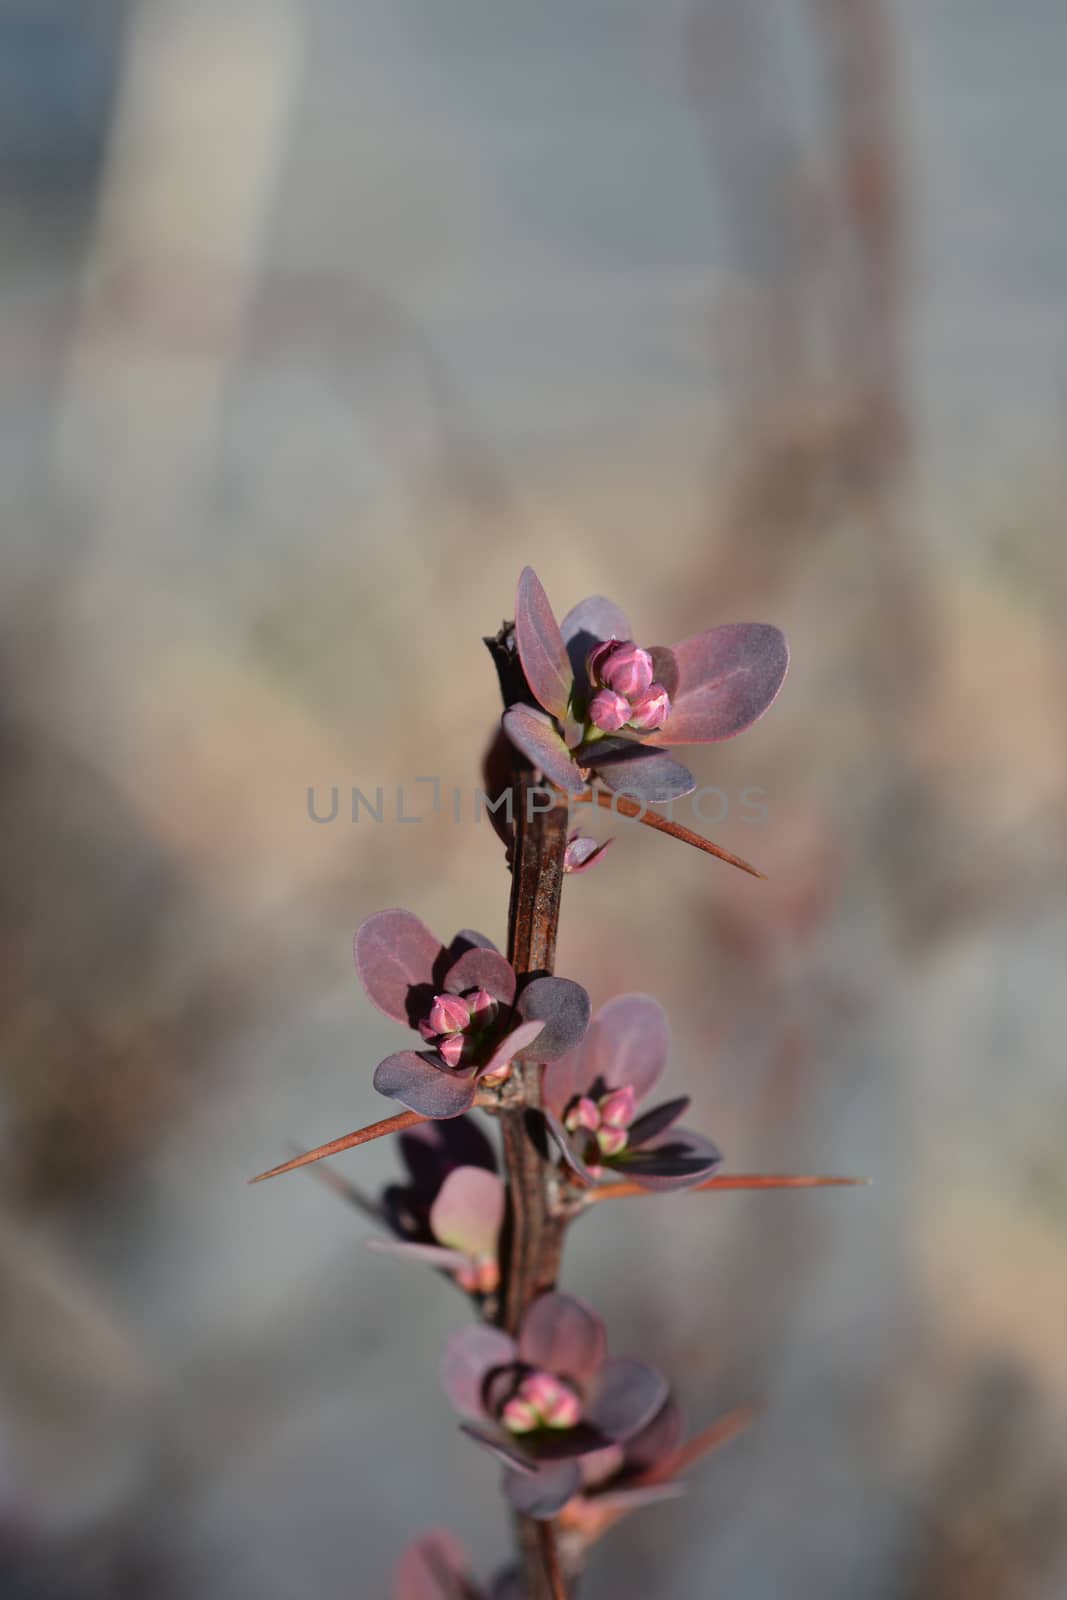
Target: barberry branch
point(533, 1232)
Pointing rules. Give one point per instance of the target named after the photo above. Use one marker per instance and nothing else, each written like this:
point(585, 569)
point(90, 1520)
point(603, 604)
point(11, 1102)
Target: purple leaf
point(500, 1445)
point(532, 732)
point(567, 1149)
point(563, 1079)
point(727, 678)
point(468, 939)
point(683, 1160)
point(432, 1091)
point(430, 1255)
point(562, 1335)
point(483, 969)
point(588, 623)
point(433, 1567)
point(627, 1044)
point(510, 1046)
point(624, 1396)
point(468, 1211)
point(394, 954)
point(469, 1357)
point(544, 1493)
point(657, 1121)
point(432, 1149)
point(664, 668)
point(649, 776)
point(540, 644)
point(563, 1007)
point(657, 1440)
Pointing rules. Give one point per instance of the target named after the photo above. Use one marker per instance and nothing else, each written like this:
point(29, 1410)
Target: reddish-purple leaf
point(657, 1440)
point(395, 953)
point(589, 623)
point(563, 1007)
point(658, 1120)
point(501, 1446)
point(624, 1396)
point(566, 1144)
point(430, 1255)
point(482, 969)
point(650, 776)
point(533, 733)
point(664, 668)
point(627, 1043)
point(510, 1046)
point(540, 645)
point(468, 1211)
point(543, 1493)
point(727, 678)
point(433, 1567)
point(432, 1091)
point(562, 1335)
point(682, 1161)
point(469, 1357)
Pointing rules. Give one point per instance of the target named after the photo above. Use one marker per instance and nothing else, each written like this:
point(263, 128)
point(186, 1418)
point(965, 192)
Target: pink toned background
point(319, 320)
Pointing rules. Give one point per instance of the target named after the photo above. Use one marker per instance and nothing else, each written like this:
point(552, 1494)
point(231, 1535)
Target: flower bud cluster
point(455, 1023)
point(605, 1120)
point(626, 693)
point(541, 1401)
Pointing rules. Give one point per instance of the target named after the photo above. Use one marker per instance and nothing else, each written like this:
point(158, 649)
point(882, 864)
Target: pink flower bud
point(608, 711)
point(598, 655)
point(519, 1416)
point(450, 1049)
point(449, 1014)
point(652, 709)
point(628, 670)
point(586, 1114)
point(565, 1411)
point(617, 1109)
point(612, 1140)
point(542, 1390)
point(483, 1008)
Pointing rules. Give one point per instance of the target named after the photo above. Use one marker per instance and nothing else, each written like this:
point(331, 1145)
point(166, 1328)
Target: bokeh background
point(318, 320)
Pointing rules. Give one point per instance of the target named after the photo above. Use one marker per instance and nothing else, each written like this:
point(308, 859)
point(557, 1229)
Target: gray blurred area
point(318, 320)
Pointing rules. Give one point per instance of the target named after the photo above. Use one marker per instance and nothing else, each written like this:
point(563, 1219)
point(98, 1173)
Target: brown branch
point(623, 806)
point(549, 1552)
point(532, 1241)
point(753, 1180)
point(347, 1141)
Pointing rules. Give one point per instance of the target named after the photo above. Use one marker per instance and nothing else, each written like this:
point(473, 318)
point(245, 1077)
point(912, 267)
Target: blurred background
point(318, 320)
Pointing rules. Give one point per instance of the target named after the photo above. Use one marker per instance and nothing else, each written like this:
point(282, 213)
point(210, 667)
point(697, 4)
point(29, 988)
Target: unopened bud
point(617, 1109)
point(565, 1411)
point(651, 711)
point(626, 669)
point(450, 1049)
point(483, 1007)
point(541, 1389)
point(449, 1014)
point(586, 1114)
point(608, 711)
point(519, 1416)
point(612, 1140)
